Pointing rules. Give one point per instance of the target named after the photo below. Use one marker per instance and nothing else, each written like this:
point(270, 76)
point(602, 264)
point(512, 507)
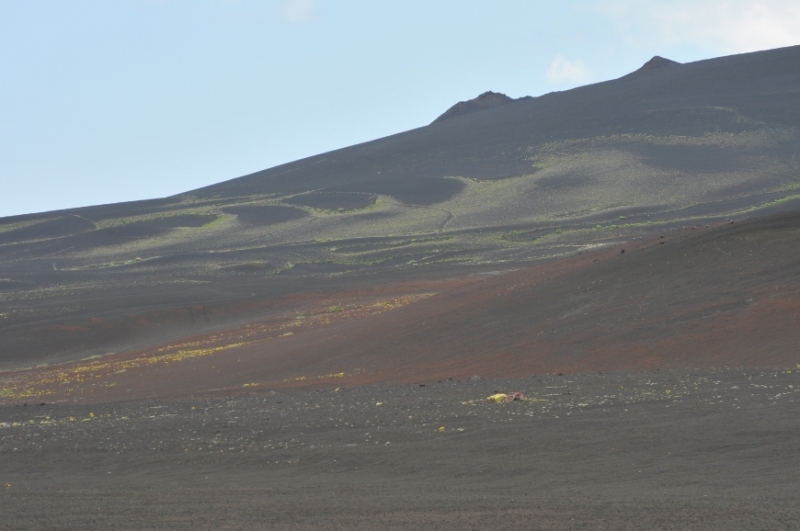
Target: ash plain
point(661, 449)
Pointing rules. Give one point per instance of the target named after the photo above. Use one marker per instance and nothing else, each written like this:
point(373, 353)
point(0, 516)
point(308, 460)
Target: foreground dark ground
point(711, 449)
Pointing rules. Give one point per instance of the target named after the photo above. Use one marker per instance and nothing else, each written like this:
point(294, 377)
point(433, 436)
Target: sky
point(106, 101)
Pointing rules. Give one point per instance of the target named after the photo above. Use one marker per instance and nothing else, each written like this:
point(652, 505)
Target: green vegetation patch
point(772, 203)
point(20, 224)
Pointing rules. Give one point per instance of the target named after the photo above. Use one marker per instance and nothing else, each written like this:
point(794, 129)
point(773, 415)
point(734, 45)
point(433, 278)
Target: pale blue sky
point(116, 100)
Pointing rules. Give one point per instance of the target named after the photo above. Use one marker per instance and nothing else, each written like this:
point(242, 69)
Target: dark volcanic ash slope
point(727, 95)
point(529, 179)
point(702, 297)
point(724, 296)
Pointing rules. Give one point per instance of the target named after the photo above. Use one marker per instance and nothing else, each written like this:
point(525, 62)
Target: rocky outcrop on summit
point(655, 63)
point(487, 100)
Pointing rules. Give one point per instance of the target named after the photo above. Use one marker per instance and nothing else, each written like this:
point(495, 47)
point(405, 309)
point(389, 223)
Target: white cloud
point(298, 11)
point(729, 26)
point(561, 70)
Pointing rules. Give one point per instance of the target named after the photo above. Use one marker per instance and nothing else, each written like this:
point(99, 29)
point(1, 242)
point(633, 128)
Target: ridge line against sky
point(115, 101)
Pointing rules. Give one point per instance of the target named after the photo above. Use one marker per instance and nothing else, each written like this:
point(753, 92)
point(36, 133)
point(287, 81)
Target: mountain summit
point(487, 100)
point(656, 63)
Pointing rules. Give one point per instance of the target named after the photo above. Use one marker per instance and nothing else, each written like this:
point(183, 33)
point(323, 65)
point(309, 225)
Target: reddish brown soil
point(723, 296)
point(728, 296)
point(178, 366)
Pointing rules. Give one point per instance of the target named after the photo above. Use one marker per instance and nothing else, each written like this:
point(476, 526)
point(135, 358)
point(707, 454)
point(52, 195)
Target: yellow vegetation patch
point(69, 378)
point(320, 377)
point(77, 378)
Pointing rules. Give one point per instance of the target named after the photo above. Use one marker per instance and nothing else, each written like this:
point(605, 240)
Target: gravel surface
point(634, 450)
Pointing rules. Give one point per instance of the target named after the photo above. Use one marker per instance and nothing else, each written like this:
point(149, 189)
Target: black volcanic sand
point(334, 200)
point(717, 449)
point(265, 215)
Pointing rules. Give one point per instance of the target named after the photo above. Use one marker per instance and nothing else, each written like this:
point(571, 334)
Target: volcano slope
point(248, 427)
point(667, 146)
point(295, 349)
point(703, 297)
